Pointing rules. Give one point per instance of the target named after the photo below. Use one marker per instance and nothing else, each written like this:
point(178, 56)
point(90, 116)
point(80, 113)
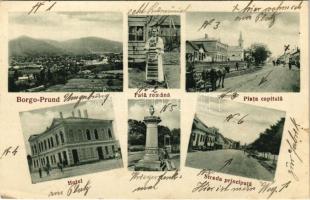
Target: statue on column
point(151, 160)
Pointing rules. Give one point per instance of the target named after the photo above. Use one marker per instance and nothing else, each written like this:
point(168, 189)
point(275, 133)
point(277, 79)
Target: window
point(49, 143)
point(96, 134)
point(106, 150)
point(45, 146)
point(35, 148)
point(113, 148)
point(88, 134)
point(198, 137)
point(62, 137)
point(59, 157)
point(110, 133)
point(136, 33)
point(52, 142)
point(57, 139)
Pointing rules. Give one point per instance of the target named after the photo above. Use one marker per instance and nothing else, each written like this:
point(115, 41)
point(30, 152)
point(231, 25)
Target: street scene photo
point(153, 135)
point(65, 141)
point(235, 138)
point(225, 53)
point(154, 51)
point(65, 52)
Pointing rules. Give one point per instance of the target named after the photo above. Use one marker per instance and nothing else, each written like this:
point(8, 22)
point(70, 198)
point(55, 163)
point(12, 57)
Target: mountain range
point(27, 46)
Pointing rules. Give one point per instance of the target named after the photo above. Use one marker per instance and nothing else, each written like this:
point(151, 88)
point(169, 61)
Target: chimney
point(79, 112)
point(85, 113)
point(73, 114)
point(60, 114)
point(206, 36)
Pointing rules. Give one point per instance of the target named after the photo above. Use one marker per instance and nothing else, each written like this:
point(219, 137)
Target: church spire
point(240, 40)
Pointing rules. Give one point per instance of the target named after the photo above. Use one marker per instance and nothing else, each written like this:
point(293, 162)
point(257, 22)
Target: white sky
point(213, 114)
point(36, 121)
point(67, 25)
point(138, 109)
point(284, 31)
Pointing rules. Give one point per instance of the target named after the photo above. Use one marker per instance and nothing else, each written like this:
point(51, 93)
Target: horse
point(213, 75)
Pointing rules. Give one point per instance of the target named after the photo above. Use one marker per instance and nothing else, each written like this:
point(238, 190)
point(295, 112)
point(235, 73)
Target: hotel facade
point(73, 141)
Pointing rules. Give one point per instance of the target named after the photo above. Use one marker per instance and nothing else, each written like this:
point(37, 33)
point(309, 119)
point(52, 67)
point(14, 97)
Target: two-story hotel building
point(72, 141)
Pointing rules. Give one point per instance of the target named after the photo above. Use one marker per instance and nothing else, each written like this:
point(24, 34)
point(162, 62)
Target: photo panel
point(154, 51)
point(70, 140)
point(154, 135)
point(65, 52)
point(224, 50)
point(235, 138)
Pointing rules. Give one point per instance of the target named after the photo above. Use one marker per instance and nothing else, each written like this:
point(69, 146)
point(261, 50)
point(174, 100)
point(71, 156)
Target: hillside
point(91, 45)
point(27, 46)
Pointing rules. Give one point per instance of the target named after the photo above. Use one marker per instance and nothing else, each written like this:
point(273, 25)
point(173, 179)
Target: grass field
point(87, 85)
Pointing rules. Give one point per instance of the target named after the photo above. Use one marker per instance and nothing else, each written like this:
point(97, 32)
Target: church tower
point(240, 40)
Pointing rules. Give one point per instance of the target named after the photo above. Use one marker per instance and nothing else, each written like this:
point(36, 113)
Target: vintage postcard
point(154, 99)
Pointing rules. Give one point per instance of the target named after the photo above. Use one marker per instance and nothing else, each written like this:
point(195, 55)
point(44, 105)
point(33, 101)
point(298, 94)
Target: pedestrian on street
point(60, 167)
point(237, 66)
point(40, 172)
point(213, 78)
point(47, 168)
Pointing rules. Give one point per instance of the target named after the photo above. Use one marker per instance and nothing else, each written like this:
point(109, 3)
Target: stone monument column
point(150, 161)
point(151, 143)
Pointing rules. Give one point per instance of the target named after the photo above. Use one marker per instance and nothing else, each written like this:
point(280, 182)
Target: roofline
point(62, 122)
point(209, 40)
point(190, 43)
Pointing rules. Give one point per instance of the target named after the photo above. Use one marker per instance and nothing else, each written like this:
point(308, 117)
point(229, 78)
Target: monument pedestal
point(144, 165)
point(150, 161)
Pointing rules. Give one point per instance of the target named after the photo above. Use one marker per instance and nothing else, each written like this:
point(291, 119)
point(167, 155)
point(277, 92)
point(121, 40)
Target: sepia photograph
point(65, 52)
point(154, 51)
point(154, 135)
point(235, 138)
point(225, 51)
point(65, 141)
